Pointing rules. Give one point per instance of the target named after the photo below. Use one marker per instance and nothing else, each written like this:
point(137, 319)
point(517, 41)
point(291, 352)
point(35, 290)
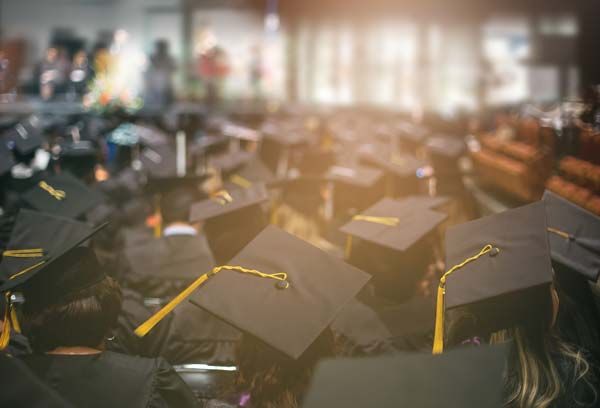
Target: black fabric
point(581, 252)
point(78, 198)
point(165, 266)
point(287, 319)
point(21, 388)
point(457, 379)
point(507, 287)
point(110, 379)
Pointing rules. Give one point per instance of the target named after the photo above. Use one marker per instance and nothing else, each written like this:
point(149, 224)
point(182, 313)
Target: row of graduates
point(216, 285)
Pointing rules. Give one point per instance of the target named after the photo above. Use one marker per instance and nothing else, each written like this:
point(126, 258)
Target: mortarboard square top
point(226, 202)
point(63, 195)
point(574, 236)
point(24, 138)
point(360, 176)
point(288, 319)
point(423, 201)
point(159, 161)
point(38, 241)
point(469, 377)
point(393, 224)
point(521, 261)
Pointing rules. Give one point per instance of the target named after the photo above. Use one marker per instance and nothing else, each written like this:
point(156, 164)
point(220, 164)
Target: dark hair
point(175, 205)
point(273, 379)
point(82, 319)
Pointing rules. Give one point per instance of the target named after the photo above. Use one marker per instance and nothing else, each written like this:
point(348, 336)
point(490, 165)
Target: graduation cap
point(469, 377)
point(62, 194)
point(499, 267)
point(158, 161)
point(232, 218)
point(228, 163)
point(175, 259)
point(574, 236)
point(24, 139)
point(403, 171)
point(45, 261)
point(278, 289)
point(355, 187)
point(79, 158)
point(392, 244)
point(251, 172)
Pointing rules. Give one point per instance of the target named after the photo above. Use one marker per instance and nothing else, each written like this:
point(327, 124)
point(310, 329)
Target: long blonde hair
point(533, 379)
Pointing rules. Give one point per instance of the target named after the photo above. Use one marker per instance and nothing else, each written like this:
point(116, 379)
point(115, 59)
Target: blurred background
point(514, 81)
point(413, 56)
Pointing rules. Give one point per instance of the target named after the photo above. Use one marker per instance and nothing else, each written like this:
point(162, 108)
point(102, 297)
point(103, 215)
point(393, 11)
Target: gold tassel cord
point(6, 324)
point(57, 194)
point(438, 339)
point(389, 221)
point(240, 181)
point(24, 253)
point(24, 271)
point(222, 197)
point(149, 324)
point(558, 232)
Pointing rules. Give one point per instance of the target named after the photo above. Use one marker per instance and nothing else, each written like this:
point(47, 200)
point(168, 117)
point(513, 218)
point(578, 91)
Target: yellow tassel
point(5, 334)
point(57, 194)
point(24, 253)
point(348, 250)
point(14, 320)
point(240, 181)
point(24, 271)
point(149, 324)
point(559, 232)
point(222, 197)
point(438, 338)
point(389, 221)
point(158, 216)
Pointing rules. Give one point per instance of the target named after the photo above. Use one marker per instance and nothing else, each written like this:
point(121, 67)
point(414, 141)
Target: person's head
point(51, 54)
point(56, 317)
point(274, 380)
point(80, 58)
point(533, 378)
point(161, 47)
point(175, 206)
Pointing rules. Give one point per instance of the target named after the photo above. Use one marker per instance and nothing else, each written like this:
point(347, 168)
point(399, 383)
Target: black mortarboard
point(403, 171)
point(159, 161)
point(393, 244)
point(163, 185)
point(226, 202)
point(355, 188)
point(174, 259)
point(253, 171)
point(574, 236)
point(233, 218)
point(500, 267)
point(42, 251)
point(24, 138)
point(79, 158)
point(278, 289)
point(469, 377)
point(230, 162)
point(63, 195)
point(7, 160)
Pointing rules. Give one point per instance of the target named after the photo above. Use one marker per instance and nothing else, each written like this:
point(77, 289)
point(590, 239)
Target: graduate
point(70, 307)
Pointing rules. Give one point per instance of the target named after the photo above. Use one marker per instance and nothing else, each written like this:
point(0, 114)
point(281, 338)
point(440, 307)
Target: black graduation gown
point(21, 388)
point(187, 335)
point(163, 267)
point(111, 379)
